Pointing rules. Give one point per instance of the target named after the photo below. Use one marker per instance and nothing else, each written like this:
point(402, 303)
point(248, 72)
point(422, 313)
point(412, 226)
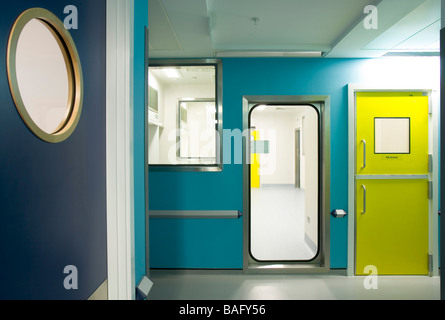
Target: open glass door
point(284, 183)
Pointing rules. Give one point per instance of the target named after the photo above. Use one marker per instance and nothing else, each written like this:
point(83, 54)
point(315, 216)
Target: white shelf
point(153, 119)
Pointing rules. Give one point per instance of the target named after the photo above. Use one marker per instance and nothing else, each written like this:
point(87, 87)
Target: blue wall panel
point(223, 190)
point(196, 243)
point(53, 196)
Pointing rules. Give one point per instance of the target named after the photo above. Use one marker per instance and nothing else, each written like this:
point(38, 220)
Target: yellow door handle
point(364, 199)
point(364, 153)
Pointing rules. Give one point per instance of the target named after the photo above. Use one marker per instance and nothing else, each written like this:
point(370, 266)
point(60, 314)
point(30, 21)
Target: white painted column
point(119, 122)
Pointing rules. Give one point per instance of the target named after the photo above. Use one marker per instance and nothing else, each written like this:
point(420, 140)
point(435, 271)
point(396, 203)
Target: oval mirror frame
point(74, 71)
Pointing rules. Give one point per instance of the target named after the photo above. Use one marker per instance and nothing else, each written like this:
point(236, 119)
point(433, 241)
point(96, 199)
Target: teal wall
point(140, 22)
point(195, 243)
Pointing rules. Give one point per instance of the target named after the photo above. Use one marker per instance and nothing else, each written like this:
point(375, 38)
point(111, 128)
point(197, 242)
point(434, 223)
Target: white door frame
point(433, 149)
point(119, 145)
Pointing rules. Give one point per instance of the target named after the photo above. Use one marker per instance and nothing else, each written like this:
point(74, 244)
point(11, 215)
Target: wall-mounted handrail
point(195, 214)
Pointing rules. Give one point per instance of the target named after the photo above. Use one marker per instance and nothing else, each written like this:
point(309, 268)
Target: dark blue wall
point(53, 196)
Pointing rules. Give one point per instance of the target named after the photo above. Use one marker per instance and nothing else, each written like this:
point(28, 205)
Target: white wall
point(278, 166)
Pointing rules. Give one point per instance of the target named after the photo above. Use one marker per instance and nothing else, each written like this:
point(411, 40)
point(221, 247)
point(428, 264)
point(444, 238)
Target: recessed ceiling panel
point(162, 34)
point(281, 24)
point(187, 22)
point(226, 28)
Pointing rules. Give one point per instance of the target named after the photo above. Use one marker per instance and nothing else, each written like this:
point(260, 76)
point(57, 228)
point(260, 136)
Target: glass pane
point(392, 135)
point(197, 131)
point(42, 76)
point(183, 121)
point(284, 183)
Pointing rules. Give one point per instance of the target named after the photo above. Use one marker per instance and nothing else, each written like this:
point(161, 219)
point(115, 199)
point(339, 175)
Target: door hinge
point(430, 189)
point(430, 264)
point(430, 163)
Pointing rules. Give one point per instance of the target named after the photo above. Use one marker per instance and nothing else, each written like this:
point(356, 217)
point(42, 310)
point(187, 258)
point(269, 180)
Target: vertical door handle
point(364, 198)
point(364, 153)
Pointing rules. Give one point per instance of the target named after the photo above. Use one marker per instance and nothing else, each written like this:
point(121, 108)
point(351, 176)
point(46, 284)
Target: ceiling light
point(302, 54)
point(171, 73)
point(412, 54)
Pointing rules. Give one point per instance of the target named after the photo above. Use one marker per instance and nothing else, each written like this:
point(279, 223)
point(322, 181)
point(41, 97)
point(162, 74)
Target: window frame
point(179, 119)
point(218, 165)
point(73, 67)
point(409, 135)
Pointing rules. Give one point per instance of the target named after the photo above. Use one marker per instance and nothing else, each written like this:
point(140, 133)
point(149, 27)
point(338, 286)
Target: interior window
point(185, 115)
point(392, 135)
point(45, 75)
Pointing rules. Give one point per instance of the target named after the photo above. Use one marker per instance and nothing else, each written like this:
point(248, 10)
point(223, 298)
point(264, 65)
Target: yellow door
point(255, 165)
point(392, 183)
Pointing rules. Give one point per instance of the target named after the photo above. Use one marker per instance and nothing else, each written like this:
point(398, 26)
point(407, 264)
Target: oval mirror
point(45, 75)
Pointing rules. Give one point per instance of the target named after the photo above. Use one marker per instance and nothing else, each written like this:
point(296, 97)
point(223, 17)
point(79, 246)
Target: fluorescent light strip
point(412, 54)
point(302, 54)
point(171, 73)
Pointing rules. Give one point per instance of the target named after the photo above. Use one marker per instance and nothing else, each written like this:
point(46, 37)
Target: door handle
point(364, 153)
point(364, 199)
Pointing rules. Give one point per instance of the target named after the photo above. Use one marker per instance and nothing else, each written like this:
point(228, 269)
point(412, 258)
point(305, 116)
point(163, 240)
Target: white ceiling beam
point(352, 43)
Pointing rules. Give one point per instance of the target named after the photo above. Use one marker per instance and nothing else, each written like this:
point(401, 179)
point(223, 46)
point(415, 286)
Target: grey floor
point(335, 285)
point(277, 224)
point(227, 285)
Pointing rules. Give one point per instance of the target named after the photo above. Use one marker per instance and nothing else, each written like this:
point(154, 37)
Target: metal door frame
point(322, 262)
point(433, 149)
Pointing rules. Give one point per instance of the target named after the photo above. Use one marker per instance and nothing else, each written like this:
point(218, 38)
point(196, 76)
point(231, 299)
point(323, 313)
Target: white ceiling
point(196, 75)
point(217, 28)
